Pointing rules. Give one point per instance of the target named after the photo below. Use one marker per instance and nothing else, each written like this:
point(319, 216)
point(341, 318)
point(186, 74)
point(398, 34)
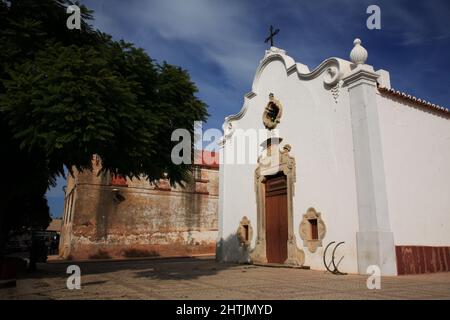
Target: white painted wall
point(320, 133)
point(416, 150)
point(408, 163)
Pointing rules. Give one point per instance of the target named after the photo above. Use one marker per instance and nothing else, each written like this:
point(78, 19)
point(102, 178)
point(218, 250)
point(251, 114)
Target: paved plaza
point(203, 278)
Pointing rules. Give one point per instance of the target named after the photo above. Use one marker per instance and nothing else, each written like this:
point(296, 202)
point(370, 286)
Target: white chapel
point(344, 166)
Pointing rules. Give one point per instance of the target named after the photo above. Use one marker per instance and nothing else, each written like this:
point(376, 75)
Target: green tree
point(24, 183)
point(67, 94)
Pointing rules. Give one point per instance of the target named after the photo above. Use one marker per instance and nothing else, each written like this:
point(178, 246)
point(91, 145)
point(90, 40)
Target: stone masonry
point(112, 217)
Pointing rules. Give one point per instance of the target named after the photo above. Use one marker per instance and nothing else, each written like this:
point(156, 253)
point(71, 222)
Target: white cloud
point(221, 31)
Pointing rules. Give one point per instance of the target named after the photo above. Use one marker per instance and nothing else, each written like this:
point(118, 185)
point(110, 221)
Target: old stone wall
point(115, 218)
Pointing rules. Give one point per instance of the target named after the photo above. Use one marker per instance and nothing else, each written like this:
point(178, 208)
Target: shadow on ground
point(163, 268)
point(156, 268)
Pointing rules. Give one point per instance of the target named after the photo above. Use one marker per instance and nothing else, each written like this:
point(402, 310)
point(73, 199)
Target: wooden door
point(276, 219)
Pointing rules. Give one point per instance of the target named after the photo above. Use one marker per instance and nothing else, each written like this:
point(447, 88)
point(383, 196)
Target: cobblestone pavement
point(203, 278)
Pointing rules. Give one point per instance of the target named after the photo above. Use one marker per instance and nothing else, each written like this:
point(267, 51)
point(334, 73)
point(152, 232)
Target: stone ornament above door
point(272, 113)
point(245, 232)
point(312, 229)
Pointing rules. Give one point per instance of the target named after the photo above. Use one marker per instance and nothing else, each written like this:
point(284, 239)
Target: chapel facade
point(112, 217)
point(345, 167)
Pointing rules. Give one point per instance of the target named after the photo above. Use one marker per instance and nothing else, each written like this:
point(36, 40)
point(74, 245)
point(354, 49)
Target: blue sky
point(220, 43)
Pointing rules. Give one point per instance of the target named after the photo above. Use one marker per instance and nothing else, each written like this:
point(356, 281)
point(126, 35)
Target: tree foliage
point(24, 182)
point(69, 99)
point(68, 94)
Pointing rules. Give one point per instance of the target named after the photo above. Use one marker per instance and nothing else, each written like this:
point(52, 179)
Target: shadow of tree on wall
point(139, 253)
point(104, 254)
point(101, 254)
point(230, 249)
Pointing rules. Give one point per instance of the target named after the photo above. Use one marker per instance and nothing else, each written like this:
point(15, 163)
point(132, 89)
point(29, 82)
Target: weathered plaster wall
point(149, 221)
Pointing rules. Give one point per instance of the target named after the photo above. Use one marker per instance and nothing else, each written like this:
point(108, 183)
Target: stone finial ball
point(359, 54)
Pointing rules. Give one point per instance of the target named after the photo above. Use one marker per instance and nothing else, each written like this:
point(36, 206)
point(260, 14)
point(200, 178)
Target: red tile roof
point(209, 159)
point(417, 101)
point(55, 225)
point(118, 180)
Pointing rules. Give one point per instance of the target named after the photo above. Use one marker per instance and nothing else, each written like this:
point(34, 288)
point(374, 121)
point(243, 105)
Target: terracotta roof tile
point(420, 102)
point(55, 225)
point(209, 159)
